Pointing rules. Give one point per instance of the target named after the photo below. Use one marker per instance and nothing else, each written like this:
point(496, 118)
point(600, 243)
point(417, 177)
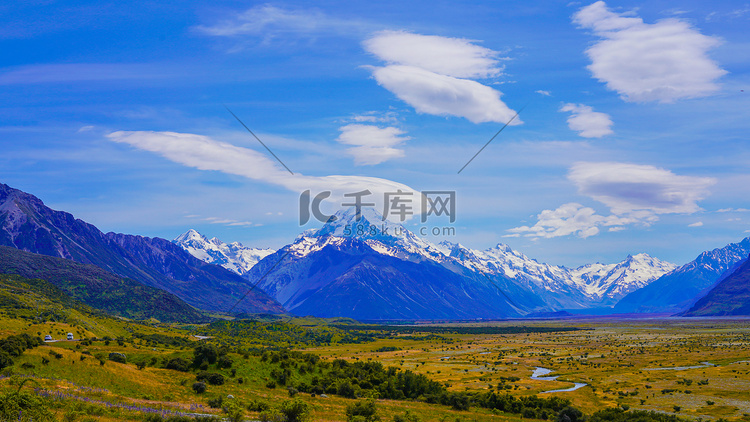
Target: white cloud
point(635, 194)
point(457, 57)
point(569, 219)
point(374, 117)
point(430, 73)
point(543, 92)
point(630, 188)
point(373, 145)
point(271, 22)
point(441, 95)
point(204, 153)
point(696, 224)
point(664, 61)
point(733, 210)
point(587, 122)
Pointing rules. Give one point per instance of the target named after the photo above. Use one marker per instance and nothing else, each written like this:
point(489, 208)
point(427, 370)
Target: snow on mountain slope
point(593, 284)
point(232, 256)
point(534, 283)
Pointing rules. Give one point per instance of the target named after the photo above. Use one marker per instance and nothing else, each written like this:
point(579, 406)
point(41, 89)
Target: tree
point(205, 353)
point(569, 414)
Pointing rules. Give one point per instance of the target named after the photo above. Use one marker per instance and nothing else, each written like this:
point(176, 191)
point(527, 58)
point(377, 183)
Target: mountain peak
point(190, 235)
point(367, 223)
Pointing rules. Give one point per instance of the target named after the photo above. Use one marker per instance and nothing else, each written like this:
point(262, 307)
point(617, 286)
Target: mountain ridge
point(27, 224)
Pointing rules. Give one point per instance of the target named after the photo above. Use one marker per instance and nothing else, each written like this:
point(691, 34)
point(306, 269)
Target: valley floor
point(692, 368)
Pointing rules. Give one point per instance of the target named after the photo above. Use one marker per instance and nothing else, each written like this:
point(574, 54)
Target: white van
point(70, 336)
point(48, 338)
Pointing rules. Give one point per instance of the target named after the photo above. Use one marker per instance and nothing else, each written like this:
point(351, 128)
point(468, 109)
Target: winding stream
point(539, 374)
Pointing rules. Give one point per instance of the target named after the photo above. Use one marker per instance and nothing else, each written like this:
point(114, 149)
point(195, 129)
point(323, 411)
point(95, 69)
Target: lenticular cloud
point(664, 61)
point(431, 74)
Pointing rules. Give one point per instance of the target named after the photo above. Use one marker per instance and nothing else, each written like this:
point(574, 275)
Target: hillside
point(677, 291)
point(27, 224)
point(730, 297)
point(99, 289)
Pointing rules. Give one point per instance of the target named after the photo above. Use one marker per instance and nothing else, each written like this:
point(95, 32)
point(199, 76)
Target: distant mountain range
point(385, 272)
point(678, 290)
point(232, 256)
point(27, 224)
point(390, 273)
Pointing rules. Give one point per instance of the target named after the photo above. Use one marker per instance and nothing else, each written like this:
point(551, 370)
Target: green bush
point(272, 415)
point(199, 387)
point(258, 406)
point(364, 411)
point(18, 406)
point(178, 364)
point(212, 378)
point(118, 357)
point(295, 410)
point(406, 417)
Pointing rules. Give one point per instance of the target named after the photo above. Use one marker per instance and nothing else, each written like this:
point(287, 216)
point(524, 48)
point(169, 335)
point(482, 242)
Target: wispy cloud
point(431, 73)
point(204, 153)
point(664, 61)
point(587, 122)
point(82, 72)
point(634, 194)
point(696, 224)
point(270, 23)
point(372, 144)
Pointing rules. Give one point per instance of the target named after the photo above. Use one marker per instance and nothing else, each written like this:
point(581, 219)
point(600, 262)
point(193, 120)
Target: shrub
point(211, 377)
point(5, 360)
point(234, 411)
point(224, 362)
point(272, 415)
point(295, 410)
point(118, 357)
point(205, 353)
point(569, 414)
point(18, 406)
point(178, 364)
point(364, 411)
point(258, 406)
point(406, 417)
point(199, 387)
point(216, 402)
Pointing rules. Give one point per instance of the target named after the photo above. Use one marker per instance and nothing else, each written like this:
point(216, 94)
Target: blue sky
point(632, 134)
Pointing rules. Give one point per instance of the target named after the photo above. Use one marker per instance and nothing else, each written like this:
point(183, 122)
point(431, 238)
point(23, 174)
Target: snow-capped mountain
point(679, 289)
point(232, 256)
point(368, 255)
point(583, 287)
point(368, 268)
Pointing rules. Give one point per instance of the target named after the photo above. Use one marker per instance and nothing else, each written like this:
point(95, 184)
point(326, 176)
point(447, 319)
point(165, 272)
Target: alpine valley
point(356, 266)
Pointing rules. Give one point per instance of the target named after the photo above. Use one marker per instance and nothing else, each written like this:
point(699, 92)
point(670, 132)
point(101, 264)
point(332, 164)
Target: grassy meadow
point(694, 369)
